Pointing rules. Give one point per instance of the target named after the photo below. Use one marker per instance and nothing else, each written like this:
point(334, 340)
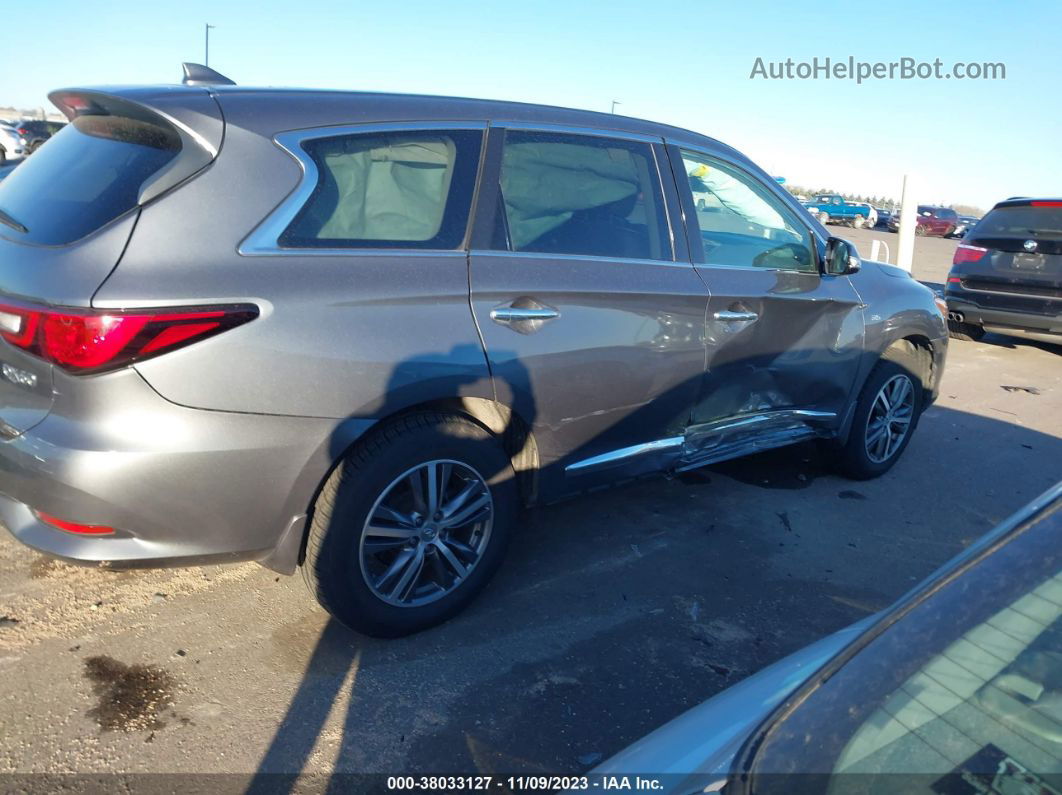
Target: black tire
point(852, 459)
point(3, 156)
point(968, 332)
point(333, 567)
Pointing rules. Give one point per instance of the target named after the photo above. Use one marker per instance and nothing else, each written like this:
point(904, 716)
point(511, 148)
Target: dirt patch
point(58, 600)
point(131, 697)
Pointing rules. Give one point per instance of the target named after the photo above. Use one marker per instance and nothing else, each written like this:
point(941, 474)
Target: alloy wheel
point(890, 418)
point(425, 533)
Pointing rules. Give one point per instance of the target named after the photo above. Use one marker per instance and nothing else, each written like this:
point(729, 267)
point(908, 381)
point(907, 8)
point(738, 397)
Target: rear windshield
point(88, 173)
point(1022, 222)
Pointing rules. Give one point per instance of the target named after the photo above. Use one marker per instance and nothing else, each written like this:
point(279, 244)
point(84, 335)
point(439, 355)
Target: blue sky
point(686, 63)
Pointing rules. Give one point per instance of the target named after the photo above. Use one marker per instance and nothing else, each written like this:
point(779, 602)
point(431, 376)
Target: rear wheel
point(857, 222)
point(967, 332)
point(411, 525)
point(885, 419)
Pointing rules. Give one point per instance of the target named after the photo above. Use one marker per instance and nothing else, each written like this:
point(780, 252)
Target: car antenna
point(195, 74)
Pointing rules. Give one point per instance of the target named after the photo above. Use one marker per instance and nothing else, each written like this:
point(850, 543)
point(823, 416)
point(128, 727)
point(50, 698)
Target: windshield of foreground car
point(962, 694)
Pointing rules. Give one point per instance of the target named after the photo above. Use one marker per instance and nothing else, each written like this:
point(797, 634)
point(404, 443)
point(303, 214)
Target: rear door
point(593, 327)
point(783, 341)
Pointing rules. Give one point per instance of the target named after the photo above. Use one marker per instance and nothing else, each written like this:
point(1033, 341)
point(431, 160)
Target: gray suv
point(357, 332)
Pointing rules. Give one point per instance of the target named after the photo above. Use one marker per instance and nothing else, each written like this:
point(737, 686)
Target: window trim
point(696, 246)
point(264, 240)
point(483, 237)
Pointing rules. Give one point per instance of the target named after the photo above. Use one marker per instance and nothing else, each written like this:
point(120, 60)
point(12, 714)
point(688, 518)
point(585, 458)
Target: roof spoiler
point(195, 74)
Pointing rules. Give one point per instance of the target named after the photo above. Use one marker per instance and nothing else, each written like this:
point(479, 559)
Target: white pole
point(908, 221)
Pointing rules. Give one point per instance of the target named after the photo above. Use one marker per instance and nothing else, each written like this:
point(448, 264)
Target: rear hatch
point(67, 213)
point(1015, 257)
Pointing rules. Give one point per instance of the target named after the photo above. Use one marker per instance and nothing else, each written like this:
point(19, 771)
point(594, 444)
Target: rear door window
point(401, 189)
point(89, 174)
point(582, 195)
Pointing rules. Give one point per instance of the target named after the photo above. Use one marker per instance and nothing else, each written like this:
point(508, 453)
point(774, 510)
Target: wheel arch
point(508, 426)
point(908, 348)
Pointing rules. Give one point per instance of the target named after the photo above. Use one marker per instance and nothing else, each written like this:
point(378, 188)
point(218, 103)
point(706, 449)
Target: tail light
point(23, 131)
point(1046, 203)
point(84, 341)
point(965, 253)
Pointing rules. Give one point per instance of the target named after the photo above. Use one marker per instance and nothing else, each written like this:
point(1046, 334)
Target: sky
point(685, 63)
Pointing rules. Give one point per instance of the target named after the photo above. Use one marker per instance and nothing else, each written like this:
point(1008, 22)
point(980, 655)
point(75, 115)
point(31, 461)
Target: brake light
point(965, 253)
point(1046, 204)
point(23, 131)
point(75, 527)
point(91, 341)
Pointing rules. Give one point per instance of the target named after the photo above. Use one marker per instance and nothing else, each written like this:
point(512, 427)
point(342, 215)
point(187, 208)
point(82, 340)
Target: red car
point(932, 221)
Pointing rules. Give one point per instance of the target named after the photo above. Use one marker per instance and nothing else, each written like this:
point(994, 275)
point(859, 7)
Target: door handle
point(511, 314)
point(726, 314)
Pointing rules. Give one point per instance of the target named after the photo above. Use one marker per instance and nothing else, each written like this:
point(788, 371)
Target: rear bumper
point(180, 486)
point(1006, 320)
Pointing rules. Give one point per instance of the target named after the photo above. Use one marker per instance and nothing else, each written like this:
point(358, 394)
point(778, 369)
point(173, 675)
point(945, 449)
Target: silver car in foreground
point(957, 688)
point(357, 332)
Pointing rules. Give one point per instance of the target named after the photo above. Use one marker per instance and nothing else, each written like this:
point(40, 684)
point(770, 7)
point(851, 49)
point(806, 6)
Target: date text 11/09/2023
point(537, 783)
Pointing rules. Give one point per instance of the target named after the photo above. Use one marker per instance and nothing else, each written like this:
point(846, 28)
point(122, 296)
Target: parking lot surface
point(613, 613)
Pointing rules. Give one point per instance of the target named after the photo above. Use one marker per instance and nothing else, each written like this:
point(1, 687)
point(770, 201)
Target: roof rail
point(195, 74)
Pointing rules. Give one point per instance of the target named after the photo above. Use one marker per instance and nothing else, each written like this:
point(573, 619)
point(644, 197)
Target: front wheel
point(824, 218)
point(411, 525)
point(920, 230)
point(885, 418)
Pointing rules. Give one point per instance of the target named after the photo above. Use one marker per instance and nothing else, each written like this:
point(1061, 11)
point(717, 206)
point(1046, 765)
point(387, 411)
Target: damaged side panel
point(779, 341)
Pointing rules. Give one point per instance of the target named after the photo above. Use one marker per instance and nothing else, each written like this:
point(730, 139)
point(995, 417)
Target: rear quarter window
point(90, 173)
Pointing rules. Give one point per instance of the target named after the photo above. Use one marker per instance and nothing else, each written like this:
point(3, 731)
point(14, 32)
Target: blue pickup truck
point(832, 208)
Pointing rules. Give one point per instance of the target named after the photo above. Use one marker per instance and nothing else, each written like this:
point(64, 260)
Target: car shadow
point(639, 667)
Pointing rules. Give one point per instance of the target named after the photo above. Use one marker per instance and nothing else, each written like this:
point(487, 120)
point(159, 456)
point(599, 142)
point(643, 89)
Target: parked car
point(33, 133)
point(321, 351)
point(966, 223)
point(1006, 275)
point(932, 221)
point(955, 688)
point(11, 145)
point(884, 216)
point(832, 208)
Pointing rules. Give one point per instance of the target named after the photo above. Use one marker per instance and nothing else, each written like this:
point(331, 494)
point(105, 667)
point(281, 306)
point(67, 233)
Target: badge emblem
point(1029, 245)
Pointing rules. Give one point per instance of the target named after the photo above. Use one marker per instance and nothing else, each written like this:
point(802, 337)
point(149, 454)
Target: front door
point(594, 331)
point(783, 341)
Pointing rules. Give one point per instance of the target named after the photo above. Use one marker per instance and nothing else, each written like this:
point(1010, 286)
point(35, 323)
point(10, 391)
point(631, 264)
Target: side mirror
point(841, 258)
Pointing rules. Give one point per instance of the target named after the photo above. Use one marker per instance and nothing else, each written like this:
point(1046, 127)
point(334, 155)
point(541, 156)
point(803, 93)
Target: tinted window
point(582, 194)
point(947, 215)
point(967, 685)
point(388, 190)
point(89, 174)
point(1022, 222)
point(740, 222)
